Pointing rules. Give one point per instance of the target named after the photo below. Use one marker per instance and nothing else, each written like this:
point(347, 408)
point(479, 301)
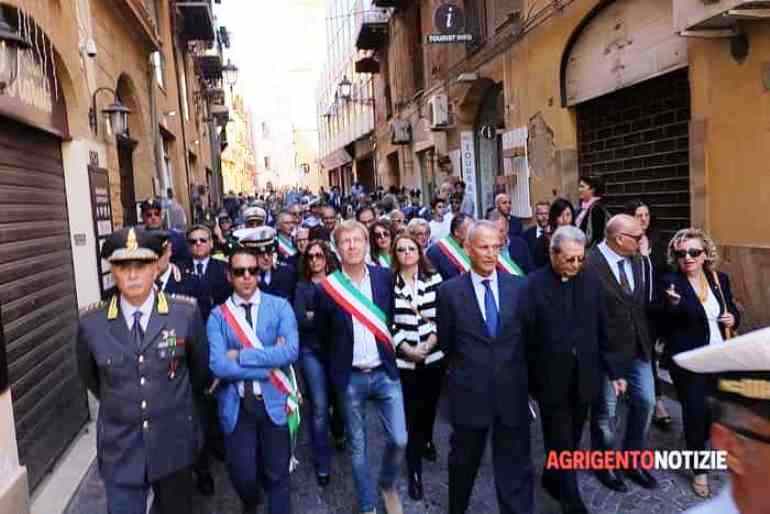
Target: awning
point(337, 158)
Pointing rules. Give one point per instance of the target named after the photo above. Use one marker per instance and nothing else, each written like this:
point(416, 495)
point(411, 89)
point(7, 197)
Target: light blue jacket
point(275, 319)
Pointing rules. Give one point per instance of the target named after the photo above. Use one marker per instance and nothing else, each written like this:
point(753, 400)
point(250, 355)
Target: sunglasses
point(319, 256)
point(692, 252)
point(575, 259)
point(151, 214)
point(200, 240)
point(381, 235)
point(406, 249)
point(634, 237)
point(240, 272)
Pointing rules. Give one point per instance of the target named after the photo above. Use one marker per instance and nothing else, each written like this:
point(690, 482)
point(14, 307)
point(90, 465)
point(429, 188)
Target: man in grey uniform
point(141, 353)
point(741, 420)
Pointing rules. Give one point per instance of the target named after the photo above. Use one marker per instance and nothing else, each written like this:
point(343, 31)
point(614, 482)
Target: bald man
point(503, 206)
point(617, 264)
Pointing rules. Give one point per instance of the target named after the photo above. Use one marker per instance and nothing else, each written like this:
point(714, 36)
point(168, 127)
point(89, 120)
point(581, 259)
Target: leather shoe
point(205, 484)
point(612, 480)
point(415, 487)
point(430, 453)
point(642, 477)
point(323, 480)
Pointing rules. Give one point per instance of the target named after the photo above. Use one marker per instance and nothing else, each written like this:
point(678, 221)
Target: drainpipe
point(155, 120)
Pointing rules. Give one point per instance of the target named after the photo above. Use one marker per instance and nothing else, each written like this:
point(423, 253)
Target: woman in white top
point(699, 310)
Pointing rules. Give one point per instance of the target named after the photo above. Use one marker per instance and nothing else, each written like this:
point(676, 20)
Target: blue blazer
point(441, 262)
point(335, 328)
point(275, 319)
point(487, 376)
point(519, 252)
point(685, 326)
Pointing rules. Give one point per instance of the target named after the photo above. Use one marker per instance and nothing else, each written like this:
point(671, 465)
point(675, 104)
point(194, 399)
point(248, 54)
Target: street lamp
point(230, 73)
point(10, 44)
point(345, 89)
point(116, 112)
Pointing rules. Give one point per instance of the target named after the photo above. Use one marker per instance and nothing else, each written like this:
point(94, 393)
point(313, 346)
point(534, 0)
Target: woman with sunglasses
point(699, 311)
point(419, 360)
point(319, 261)
point(560, 214)
point(380, 236)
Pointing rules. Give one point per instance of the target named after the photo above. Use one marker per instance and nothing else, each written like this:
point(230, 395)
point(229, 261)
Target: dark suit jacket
point(215, 282)
point(519, 252)
point(627, 323)
point(562, 322)
point(180, 252)
point(283, 282)
point(487, 377)
point(190, 285)
point(530, 237)
point(515, 227)
point(685, 324)
point(335, 328)
point(441, 262)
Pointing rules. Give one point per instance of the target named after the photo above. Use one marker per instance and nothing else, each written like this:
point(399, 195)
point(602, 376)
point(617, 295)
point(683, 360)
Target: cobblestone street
point(672, 496)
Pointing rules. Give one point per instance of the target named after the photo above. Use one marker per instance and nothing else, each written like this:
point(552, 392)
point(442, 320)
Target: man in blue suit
point(354, 314)
point(440, 253)
point(210, 271)
point(253, 342)
point(479, 329)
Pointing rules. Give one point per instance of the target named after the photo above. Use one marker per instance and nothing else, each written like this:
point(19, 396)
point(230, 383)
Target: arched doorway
point(491, 118)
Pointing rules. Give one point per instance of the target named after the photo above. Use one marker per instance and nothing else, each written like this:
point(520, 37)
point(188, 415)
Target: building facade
point(239, 163)
point(68, 177)
point(664, 99)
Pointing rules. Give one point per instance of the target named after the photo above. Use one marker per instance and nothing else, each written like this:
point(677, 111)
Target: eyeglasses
point(692, 252)
point(575, 259)
point(313, 256)
point(381, 235)
point(636, 238)
point(240, 272)
point(200, 240)
point(406, 249)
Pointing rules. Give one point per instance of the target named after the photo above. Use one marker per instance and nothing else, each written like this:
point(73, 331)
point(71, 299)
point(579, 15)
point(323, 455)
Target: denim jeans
point(387, 397)
point(641, 398)
point(314, 371)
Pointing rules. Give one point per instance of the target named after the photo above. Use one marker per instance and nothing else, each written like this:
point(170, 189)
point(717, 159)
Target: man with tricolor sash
point(447, 254)
point(285, 226)
point(253, 342)
point(355, 314)
point(514, 258)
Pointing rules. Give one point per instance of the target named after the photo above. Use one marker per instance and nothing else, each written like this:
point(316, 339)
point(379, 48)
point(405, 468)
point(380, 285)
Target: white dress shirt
point(480, 290)
point(613, 259)
point(538, 232)
point(128, 311)
point(712, 308)
point(205, 263)
point(254, 301)
point(365, 353)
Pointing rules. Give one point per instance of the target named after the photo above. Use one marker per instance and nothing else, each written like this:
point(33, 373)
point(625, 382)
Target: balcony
point(197, 20)
point(371, 25)
point(398, 4)
point(209, 66)
point(367, 65)
point(713, 19)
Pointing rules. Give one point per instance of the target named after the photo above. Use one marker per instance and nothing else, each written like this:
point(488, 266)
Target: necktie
point(490, 309)
point(137, 334)
point(199, 269)
point(248, 385)
point(624, 283)
point(262, 276)
point(247, 310)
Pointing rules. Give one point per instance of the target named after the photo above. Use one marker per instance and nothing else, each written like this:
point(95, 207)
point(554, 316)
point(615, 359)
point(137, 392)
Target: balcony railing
point(197, 20)
point(398, 4)
point(371, 25)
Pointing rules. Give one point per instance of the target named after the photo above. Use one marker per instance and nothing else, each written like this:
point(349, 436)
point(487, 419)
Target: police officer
point(224, 242)
point(254, 217)
point(141, 353)
point(741, 418)
point(152, 217)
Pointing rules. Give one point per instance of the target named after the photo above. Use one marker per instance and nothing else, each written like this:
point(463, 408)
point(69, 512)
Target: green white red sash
point(353, 301)
point(505, 263)
point(384, 260)
point(456, 255)
point(285, 246)
point(283, 380)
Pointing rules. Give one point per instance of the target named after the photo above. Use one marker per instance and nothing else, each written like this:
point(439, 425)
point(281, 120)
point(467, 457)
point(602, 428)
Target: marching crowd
point(214, 338)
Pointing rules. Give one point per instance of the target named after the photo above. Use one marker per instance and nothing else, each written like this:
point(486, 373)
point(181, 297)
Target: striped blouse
point(415, 315)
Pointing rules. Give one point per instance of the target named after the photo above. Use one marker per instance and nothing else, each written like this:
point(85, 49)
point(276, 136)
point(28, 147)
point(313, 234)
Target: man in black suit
point(616, 263)
point(479, 329)
point(532, 234)
point(503, 206)
point(210, 271)
point(274, 278)
point(565, 326)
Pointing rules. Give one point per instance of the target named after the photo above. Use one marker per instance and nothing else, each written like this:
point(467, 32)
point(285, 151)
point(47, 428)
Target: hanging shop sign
point(449, 25)
point(468, 163)
point(102, 213)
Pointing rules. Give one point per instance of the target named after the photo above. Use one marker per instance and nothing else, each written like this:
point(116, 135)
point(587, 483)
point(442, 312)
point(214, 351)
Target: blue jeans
point(316, 380)
point(641, 398)
point(387, 397)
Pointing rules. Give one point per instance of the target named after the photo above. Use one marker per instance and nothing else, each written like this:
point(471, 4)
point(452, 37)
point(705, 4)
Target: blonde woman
point(699, 311)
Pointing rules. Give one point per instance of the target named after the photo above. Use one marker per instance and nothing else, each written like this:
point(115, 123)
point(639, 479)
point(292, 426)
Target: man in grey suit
point(141, 353)
point(617, 265)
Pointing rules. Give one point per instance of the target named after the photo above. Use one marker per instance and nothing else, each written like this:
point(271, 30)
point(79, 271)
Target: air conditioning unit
point(716, 18)
point(400, 132)
point(439, 112)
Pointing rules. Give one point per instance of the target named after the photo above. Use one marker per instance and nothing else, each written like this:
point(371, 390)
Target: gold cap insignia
point(131, 243)
point(748, 388)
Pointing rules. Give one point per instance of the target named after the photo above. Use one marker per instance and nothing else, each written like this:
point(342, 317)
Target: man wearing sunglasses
point(741, 418)
point(617, 265)
point(565, 327)
point(210, 272)
point(253, 342)
point(153, 218)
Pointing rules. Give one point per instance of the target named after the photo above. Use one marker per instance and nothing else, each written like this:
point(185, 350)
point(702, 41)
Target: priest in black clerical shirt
point(566, 333)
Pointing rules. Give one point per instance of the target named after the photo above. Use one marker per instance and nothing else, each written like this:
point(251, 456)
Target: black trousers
point(693, 390)
point(511, 460)
point(173, 495)
point(213, 440)
point(422, 389)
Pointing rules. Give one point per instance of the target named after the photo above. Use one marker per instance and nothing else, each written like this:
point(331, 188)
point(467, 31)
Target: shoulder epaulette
point(181, 298)
point(91, 308)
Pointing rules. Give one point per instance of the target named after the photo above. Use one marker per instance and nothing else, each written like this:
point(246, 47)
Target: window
point(183, 90)
point(416, 50)
point(267, 162)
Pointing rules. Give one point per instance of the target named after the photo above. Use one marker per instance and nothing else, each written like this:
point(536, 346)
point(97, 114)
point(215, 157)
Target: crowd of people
point(215, 337)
